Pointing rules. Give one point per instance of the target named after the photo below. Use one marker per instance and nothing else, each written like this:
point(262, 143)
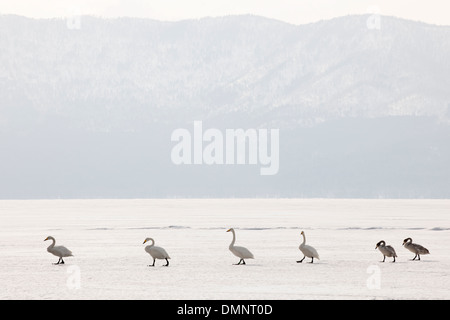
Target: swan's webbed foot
point(300, 261)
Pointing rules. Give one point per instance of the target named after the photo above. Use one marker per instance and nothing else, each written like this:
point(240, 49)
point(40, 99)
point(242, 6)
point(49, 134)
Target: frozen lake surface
point(109, 260)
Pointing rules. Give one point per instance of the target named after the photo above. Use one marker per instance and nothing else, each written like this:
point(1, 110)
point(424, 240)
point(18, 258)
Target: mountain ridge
point(215, 64)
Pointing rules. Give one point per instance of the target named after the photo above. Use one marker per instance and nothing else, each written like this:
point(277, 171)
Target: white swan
point(387, 251)
point(156, 252)
point(59, 251)
point(417, 249)
point(239, 252)
point(307, 251)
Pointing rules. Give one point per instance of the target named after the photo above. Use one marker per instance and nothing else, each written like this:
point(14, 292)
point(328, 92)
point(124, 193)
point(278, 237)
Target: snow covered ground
point(109, 260)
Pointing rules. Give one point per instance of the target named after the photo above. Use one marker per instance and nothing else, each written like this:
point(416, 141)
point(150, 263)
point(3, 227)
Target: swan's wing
point(391, 250)
point(63, 251)
point(420, 249)
point(315, 253)
point(242, 252)
point(309, 251)
point(164, 252)
point(157, 252)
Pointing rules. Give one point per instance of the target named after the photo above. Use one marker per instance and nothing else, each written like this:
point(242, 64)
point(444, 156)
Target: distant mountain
point(88, 112)
point(112, 74)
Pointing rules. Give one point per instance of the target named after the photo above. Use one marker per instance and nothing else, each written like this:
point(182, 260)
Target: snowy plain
point(106, 238)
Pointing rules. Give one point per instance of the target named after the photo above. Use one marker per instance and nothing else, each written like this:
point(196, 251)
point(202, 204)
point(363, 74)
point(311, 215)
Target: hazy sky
point(293, 11)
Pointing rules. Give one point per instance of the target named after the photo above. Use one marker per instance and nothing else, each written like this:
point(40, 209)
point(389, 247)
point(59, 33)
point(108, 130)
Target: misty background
point(87, 107)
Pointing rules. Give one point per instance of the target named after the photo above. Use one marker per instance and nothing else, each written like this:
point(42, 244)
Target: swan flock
point(243, 253)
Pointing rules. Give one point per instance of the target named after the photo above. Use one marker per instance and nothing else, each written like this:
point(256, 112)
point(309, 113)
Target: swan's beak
point(228, 230)
point(145, 241)
point(46, 239)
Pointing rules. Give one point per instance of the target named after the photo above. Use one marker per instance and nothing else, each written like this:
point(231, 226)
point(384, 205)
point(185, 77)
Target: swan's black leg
point(394, 260)
point(415, 257)
point(384, 258)
point(243, 261)
point(418, 256)
point(152, 265)
point(166, 265)
point(62, 261)
point(58, 261)
point(312, 259)
point(300, 261)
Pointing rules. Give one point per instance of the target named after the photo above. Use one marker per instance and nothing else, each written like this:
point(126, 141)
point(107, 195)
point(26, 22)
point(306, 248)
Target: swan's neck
point(304, 239)
point(53, 244)
point(234, 239)
point(152, 244)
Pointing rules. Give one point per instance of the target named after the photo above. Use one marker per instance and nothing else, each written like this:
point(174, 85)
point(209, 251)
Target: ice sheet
point(110, 262)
